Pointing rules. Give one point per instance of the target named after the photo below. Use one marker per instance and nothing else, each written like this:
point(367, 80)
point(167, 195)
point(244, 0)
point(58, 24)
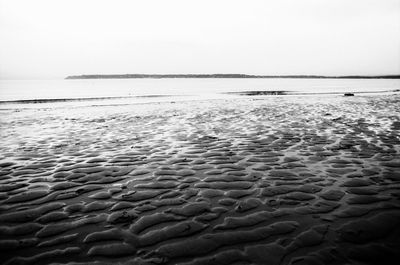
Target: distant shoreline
point(159, 76)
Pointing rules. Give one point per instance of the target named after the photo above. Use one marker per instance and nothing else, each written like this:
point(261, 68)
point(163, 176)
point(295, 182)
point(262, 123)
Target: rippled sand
point(275, 180)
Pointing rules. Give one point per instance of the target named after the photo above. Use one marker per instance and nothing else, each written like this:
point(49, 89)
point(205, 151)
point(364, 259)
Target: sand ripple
point(282, 180)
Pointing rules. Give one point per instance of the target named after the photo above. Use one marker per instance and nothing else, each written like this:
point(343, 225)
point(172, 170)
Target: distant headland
point(126, 76)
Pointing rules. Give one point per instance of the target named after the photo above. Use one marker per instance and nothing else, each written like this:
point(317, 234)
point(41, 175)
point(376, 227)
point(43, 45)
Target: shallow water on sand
point(103, 88)
point(273, 180)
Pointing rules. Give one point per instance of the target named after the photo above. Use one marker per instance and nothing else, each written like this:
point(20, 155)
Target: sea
point(78, 92)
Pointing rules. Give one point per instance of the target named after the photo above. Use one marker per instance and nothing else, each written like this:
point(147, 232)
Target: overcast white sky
point(56, 38)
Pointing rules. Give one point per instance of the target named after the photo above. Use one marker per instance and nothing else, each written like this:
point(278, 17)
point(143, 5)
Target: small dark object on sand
point(348, 94)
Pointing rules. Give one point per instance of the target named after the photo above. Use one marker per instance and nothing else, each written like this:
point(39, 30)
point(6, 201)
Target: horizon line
point(219, 75)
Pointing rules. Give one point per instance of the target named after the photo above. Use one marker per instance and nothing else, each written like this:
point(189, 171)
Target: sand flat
point(253, 180)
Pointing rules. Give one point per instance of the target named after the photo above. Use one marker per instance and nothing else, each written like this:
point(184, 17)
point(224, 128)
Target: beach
point(311, 179)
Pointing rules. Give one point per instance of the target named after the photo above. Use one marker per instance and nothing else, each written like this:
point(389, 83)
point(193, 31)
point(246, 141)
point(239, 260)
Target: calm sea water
point(144, 90)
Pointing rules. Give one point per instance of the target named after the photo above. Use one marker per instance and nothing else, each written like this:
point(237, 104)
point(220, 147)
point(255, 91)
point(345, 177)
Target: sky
point(50, 39)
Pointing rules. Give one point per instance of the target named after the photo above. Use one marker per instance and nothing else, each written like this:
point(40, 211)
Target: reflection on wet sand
point(277, 180)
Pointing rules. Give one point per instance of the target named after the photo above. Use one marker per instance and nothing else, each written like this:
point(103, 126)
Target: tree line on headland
point(114, 76)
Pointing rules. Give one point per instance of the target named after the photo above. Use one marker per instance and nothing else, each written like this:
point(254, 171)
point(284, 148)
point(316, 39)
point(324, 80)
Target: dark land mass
point(224, 76)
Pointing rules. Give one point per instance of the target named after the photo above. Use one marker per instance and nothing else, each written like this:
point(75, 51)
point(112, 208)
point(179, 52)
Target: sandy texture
point(276, 180)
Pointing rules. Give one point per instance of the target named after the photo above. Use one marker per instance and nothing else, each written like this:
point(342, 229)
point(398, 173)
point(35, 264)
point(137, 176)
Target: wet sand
point(262, 180)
